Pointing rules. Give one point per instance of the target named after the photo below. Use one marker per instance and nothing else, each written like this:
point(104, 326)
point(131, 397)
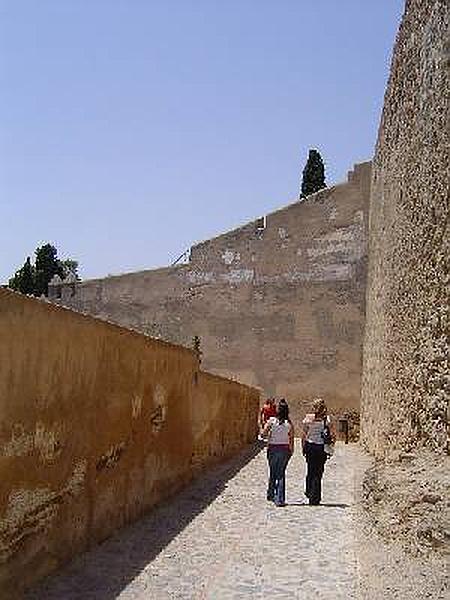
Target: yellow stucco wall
point(97, 424)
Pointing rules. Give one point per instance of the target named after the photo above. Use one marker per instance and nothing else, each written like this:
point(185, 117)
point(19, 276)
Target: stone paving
point(220, 539)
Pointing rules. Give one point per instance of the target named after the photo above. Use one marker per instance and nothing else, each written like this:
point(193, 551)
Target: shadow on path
point(324, 504)
point(105, 570)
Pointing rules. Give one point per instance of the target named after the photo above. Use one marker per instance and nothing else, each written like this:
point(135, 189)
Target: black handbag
point(326, 434)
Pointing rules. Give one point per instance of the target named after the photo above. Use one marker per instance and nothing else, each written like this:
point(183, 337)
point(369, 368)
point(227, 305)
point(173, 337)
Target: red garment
point(267, 411)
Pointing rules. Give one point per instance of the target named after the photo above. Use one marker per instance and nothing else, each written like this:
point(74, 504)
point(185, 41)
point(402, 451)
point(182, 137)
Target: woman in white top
point(313, 434)
point(280, 436)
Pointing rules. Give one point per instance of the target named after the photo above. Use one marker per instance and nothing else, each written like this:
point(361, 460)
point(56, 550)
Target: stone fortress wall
point(277, 303)
point(405, 392)
point(95, 429)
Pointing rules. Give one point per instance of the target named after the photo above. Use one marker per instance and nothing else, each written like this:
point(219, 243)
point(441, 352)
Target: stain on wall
point(277, 303)
point(405, 394)
point(97, 424)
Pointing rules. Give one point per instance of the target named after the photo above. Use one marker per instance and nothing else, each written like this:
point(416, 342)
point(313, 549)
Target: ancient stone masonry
point(277, 303)
point(97, 425)
point(405, 390)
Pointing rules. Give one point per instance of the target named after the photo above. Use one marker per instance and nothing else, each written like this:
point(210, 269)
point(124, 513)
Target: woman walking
point(280, 436)
point(314, 434)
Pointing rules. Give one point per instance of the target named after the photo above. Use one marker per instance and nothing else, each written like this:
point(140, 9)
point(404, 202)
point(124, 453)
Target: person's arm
point(261, 419)
point(332, 427)
point(303, 433)
point(291, 439)
point(266, 429)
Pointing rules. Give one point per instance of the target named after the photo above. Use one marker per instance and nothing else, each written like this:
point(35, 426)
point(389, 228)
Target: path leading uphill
point(220, 539)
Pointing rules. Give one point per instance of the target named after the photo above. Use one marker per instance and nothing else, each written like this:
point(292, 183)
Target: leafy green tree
point(24, 279)
point(313, 174)
point(34, 279)
point(28, 277)
point(14, 282)
point(70, 266)
point(47, 265)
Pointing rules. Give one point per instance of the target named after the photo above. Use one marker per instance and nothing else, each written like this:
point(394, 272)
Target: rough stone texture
point(97, 425)
point(408, 500)
point(277, 303)
point(405, 388)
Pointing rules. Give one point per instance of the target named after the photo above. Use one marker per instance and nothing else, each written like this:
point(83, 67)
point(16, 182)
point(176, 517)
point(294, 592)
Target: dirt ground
point(403, 527)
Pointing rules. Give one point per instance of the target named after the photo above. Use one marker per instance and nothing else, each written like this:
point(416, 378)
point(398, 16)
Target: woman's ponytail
point(283, 411)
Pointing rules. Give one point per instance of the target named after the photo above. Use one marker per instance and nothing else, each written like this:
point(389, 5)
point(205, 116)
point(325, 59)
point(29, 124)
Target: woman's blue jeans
point(278, 459)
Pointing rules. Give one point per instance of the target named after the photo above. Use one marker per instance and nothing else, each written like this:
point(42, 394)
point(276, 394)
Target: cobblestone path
point(220, 539)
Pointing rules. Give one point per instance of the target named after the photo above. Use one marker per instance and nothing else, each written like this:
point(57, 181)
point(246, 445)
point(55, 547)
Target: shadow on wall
point(106, 570)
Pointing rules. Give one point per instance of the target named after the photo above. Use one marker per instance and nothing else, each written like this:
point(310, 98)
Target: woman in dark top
point(313, 435)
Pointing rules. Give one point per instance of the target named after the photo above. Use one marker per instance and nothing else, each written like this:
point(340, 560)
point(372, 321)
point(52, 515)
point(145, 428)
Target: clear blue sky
point(132, 129)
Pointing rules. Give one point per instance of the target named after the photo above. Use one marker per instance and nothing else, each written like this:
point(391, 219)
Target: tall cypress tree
point(28, 276)
point(47, 265)
point(24, 279)
point(313, 174)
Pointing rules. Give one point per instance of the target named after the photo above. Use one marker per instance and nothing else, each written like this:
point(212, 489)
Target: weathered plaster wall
point(279, 305)
point(405, 386)
point(97, 424)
